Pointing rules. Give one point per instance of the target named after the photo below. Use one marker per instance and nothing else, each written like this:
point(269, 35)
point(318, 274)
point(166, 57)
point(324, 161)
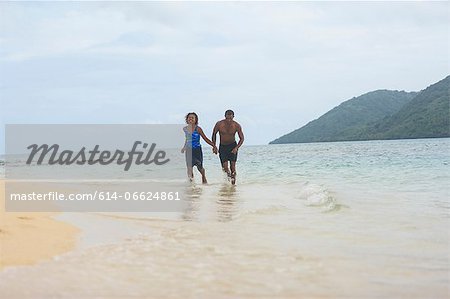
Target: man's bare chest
point(227, 129)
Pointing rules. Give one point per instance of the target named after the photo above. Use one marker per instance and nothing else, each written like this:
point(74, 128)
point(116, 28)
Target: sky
point(278, 65)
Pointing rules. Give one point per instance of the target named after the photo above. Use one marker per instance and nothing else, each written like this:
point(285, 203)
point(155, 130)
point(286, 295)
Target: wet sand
point(28, 238)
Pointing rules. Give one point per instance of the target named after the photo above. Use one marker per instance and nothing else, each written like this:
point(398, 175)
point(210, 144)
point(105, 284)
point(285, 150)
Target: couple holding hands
point(228, 148)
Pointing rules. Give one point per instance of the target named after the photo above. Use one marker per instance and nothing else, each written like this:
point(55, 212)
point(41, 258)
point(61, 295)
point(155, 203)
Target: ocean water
point(322, 220)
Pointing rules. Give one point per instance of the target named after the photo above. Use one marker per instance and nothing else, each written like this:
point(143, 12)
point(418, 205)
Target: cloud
point(278, 65)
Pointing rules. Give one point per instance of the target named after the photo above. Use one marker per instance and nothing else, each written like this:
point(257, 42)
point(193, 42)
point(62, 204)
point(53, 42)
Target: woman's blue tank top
point(192, 139)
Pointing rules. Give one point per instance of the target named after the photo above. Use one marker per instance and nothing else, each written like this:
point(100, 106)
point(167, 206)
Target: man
point(228, 148)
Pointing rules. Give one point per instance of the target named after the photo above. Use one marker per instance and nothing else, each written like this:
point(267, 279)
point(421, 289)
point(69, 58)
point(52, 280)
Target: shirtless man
point(228, 148)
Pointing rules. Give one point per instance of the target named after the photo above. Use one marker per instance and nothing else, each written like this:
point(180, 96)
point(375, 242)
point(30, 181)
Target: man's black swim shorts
point(225, 153)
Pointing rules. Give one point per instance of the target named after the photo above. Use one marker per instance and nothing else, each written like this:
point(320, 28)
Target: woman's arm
point(185, 142)
point(200, 131)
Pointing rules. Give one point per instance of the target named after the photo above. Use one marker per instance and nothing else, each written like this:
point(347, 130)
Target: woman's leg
point(202, 171)
point(190, 173)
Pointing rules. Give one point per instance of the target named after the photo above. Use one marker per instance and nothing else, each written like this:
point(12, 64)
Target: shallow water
point(325, 220)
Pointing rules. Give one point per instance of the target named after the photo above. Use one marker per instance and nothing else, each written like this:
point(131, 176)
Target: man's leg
point(225, 167)
point(233, 172)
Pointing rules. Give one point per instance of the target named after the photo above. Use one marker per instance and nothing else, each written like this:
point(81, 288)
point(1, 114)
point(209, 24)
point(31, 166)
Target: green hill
point(427, 115)
point(382, 114)
point(347, 120)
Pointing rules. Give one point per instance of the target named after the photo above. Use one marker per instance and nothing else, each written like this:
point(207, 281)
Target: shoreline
point(27, 238)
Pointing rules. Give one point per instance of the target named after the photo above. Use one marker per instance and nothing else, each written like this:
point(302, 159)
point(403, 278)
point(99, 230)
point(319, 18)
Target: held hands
point(215, 151)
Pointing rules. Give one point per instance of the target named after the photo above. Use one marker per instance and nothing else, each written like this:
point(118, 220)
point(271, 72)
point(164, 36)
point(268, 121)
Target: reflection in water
point(226, 203)
point(202, 203)
point(193, 196)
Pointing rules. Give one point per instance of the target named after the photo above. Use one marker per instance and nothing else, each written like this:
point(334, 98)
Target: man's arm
point(213, 137)
point(241, 139)
point(214, 133)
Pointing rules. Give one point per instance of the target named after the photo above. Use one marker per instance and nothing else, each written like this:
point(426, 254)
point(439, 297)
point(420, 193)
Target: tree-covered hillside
point(347, 119)
point(427, 115)
point(382, 114)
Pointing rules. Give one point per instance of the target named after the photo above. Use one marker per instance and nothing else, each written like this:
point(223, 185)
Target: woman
point(192, 146)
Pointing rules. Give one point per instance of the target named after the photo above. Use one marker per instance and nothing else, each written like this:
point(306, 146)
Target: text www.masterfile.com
point(96, 195)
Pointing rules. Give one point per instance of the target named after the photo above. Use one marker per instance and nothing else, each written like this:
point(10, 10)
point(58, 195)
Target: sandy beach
point(343, 229)
point(27, 238)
